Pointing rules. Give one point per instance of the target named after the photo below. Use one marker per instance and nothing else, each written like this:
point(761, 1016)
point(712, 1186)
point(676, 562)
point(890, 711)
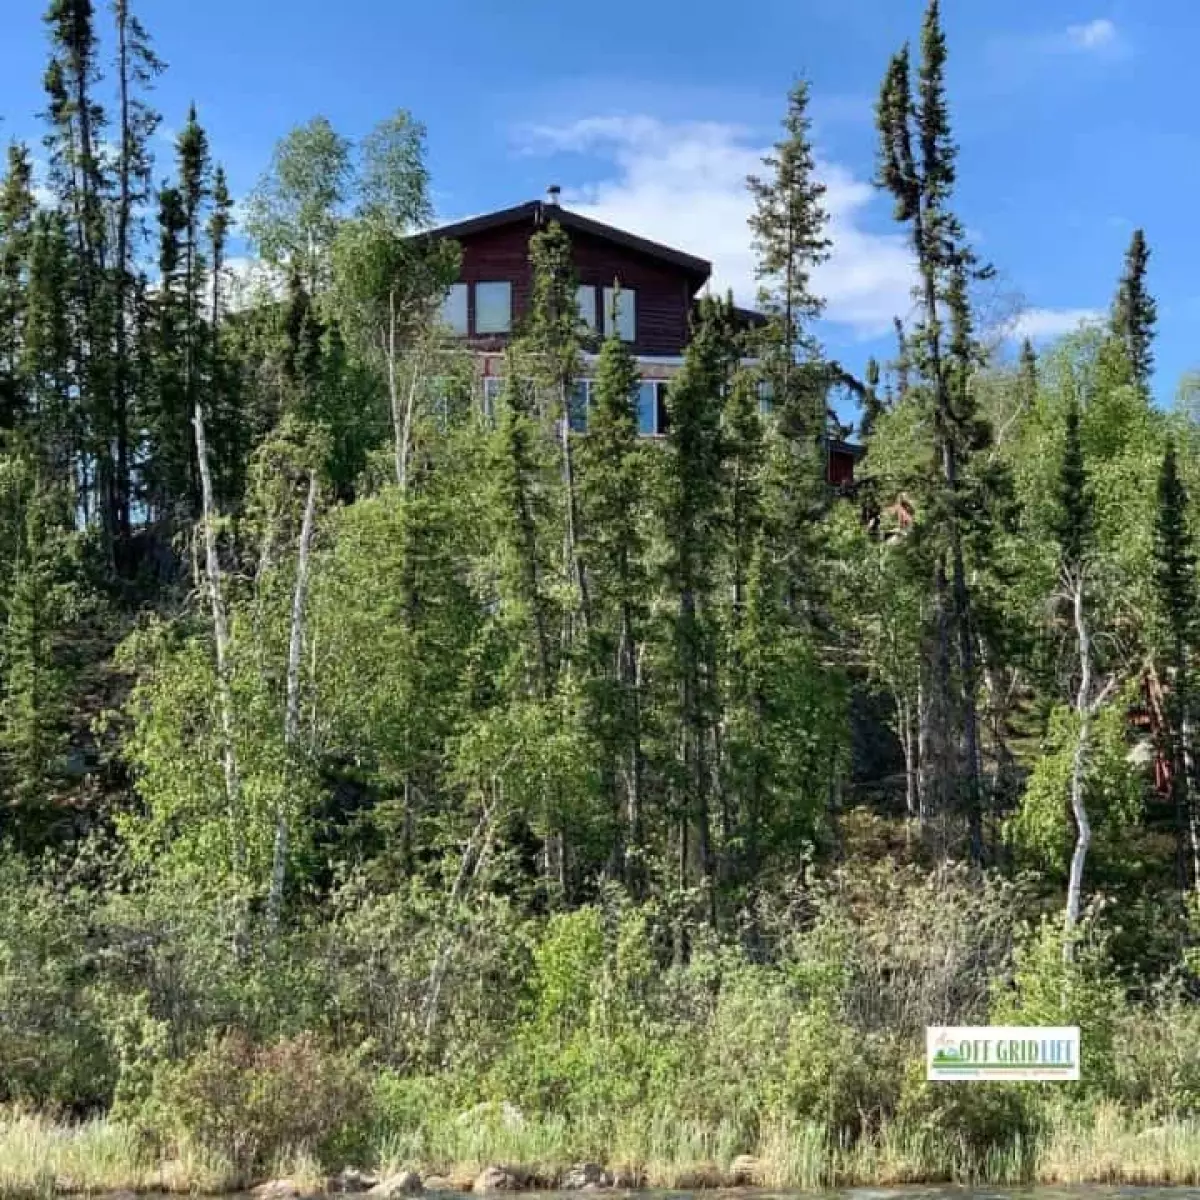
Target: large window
point(454, 309)
point(652, 407)
point(766, 397)
point(578, 403)
point(620, 313)
point(493, 307)
point(492, 387)
point(585, 297)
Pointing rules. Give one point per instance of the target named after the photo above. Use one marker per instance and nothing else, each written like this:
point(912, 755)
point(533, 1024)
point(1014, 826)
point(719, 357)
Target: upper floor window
point(620, 313)
point(585, 298)
point(493, 307)
point(454, 309)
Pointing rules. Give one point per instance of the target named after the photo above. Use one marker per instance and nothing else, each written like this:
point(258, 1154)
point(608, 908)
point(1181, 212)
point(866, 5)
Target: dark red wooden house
point(640, 289)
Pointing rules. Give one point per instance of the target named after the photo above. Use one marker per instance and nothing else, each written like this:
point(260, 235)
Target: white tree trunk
point(291, 714)
point(233, 788)
point(1086, 706)
point(474, 856)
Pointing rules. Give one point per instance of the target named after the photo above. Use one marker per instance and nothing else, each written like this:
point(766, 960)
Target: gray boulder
point(404, 1183)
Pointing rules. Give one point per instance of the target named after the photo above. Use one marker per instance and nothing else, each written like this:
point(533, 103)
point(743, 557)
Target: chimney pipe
point(552, 194)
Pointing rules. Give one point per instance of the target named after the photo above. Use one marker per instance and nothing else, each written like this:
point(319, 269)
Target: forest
point(397, 785)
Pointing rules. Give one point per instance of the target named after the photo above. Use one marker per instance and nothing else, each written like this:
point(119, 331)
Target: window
point(577, 405)
point(493, 307)
point(454, 309)
point(647, 408)
point(766, 397)
point(620, 306)
point(652, 407)
point(492, 387)
point(585, 298)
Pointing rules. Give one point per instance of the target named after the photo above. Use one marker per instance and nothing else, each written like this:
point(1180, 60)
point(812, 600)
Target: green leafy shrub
point(53, 1051)
point(972, 1129)
point(248, 1104)
point(1048, 988)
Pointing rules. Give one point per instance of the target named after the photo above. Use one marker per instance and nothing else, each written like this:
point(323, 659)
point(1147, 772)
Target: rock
point(703, 1178)
point(439, 1183)
point(745, 1171)
point(497, 1179)
point(629, 1179)
point(405, 1183)
point(586, 1176)
point(278, 1189)
point(351, 1180)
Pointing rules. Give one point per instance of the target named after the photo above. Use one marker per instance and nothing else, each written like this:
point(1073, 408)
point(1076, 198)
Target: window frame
point(492, 283)
point(463, 290)
point(627, 296)
point(587, 313)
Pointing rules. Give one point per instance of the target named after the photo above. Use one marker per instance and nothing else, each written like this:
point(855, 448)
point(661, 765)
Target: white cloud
point(1100, 34)
point(1041, 324)
point(684, 184)
point(246, 281)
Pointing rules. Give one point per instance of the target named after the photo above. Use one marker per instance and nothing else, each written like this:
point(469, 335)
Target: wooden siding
point(840, 468)
point(663, 295)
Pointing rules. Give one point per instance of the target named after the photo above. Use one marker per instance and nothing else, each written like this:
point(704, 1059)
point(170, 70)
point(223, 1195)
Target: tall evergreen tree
point(917, 166)
point(788, 225)
point(552, 341)
point(1176, 588)
point(137, 67)
point(194, 188)
point(77, 122)
point(612, 484)
point(1075, 513)
point(693, 496)
point(17, 209)
point(1134, 311)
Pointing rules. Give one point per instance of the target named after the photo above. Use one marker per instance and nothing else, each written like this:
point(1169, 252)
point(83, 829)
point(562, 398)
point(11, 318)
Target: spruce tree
point(1075, 513)
point(194, 187)
point(1134, 311)
point(77, 123)
point(137, 67)
point(788, 226)
point(16, 233)
point(613, 469)
point(551, 341)
point(1179, 610)
point(693, 487)
point(873, 404)
point(48, 346)
point(917, 166)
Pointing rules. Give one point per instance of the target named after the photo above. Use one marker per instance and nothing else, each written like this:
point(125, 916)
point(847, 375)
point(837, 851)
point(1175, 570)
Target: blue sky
point(1074, 119)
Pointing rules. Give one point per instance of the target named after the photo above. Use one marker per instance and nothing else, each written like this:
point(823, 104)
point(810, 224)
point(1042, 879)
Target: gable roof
point(539, 213)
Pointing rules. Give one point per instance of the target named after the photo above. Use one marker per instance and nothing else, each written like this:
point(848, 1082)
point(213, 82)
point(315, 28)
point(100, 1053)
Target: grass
point(40, 1159)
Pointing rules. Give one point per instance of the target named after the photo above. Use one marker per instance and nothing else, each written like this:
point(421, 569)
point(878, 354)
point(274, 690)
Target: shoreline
point(40, 1160)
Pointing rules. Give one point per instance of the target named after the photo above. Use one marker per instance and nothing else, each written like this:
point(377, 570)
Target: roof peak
point(543, 211)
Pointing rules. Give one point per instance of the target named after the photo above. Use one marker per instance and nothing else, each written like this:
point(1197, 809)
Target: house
point(644, 291)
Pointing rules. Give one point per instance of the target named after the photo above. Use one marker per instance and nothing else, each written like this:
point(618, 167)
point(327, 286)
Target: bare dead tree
point(291, 715)
point(1088, 701)
point(233, 787)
